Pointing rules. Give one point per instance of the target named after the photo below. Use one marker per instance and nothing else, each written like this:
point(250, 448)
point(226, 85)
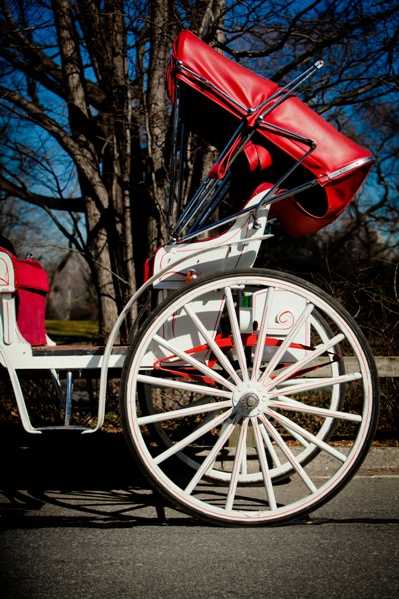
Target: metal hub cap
point(250, 399)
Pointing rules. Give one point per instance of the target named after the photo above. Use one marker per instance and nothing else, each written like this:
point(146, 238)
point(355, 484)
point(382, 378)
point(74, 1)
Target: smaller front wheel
point(250, 379)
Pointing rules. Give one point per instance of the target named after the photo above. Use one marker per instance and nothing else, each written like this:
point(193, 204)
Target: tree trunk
point(157, 117)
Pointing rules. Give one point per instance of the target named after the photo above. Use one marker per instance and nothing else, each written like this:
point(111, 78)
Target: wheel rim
point(259, 407)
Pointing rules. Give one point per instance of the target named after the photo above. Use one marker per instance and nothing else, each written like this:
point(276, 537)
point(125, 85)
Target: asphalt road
point(85, 525)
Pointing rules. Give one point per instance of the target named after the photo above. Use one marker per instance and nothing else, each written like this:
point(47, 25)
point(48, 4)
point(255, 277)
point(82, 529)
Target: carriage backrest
point(26, 281)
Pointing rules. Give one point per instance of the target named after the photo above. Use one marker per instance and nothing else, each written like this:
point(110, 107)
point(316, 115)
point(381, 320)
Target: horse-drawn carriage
point(242, 382)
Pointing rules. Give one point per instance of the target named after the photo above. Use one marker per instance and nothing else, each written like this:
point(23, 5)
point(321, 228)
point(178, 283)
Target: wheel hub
point(250, 399)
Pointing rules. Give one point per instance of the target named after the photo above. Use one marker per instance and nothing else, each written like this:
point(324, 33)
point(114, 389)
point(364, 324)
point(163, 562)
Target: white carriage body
point(237, 248)
point(220, 257)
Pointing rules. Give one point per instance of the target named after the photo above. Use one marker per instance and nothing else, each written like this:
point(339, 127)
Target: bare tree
point(110, 121)
point(87, 79)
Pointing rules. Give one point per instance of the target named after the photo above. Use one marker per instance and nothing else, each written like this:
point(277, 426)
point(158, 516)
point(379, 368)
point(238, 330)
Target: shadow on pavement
point(64, 479)
point(94, 477)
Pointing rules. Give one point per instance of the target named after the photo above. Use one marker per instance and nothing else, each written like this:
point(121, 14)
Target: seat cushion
point(32, 286)
point(30, 274)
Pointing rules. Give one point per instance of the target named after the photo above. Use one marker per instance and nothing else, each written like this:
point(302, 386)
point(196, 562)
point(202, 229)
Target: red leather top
point(244, 89)
point(241, 84)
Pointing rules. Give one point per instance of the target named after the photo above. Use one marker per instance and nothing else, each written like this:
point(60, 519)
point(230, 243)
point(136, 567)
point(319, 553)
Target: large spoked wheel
point(243, 403)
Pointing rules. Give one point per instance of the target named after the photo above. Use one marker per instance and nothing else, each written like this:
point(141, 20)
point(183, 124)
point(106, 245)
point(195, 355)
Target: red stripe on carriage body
point(248, 339)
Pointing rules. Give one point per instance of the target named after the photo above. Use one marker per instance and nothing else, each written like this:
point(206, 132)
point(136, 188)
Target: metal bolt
point(250, 401)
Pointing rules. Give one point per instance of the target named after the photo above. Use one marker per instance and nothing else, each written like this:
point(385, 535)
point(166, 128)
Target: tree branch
point(82, 155)
point(53, 203)
point(20, 52)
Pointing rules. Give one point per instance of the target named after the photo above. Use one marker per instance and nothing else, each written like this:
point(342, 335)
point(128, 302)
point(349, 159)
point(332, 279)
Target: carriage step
point(65, 427)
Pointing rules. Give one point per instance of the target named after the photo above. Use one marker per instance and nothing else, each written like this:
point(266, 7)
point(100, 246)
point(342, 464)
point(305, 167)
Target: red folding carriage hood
point(339, 164)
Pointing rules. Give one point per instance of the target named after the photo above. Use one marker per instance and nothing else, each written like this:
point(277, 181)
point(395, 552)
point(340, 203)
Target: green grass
point(72, 329)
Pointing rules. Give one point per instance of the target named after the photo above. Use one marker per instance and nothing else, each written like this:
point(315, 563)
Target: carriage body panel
point(217, 254)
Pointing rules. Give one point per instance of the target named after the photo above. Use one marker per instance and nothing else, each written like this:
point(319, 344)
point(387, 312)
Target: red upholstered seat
point(32, 287)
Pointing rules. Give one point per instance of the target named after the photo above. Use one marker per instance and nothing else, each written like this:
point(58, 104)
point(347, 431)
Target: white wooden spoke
point(296, 381)
point(298, 437)
point(183, 386)
point(280, 351)
point(264, 465)
point(183, 412)
point(291, 370)
point(288, 454)
point(319, 383)
point(196, 363)
point(294, 434)
point(212, 455)
point(223, 360)
point(270, 447)
point(262, 331)
point(196, 434)
point(241, 447)
point(297, 406)
point(244, 463)
point(235, 330)
point(288, 424)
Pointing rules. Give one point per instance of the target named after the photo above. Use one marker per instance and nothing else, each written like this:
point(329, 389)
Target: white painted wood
point(235, 329)
point(183, 386)
point(241, 449)
point(217, 256)
point(211, 457)
point(199, 432)
point(287, 423)
point(193, 362)
point(311, 355)
point(260, 448)
point(288, 454)
point(302, 318)
point(387, 366)
point(183, 412)
point(208, 338)
point(7, 279)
